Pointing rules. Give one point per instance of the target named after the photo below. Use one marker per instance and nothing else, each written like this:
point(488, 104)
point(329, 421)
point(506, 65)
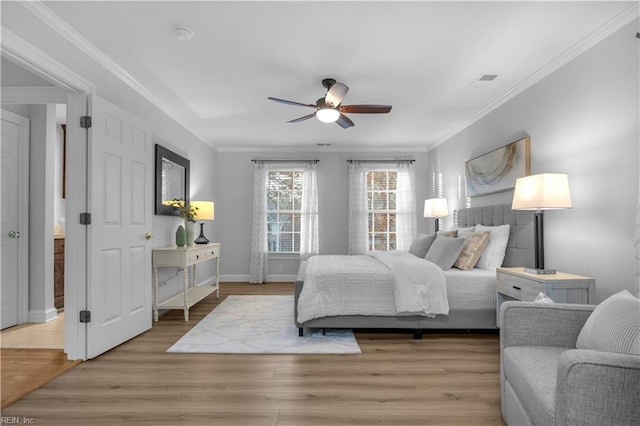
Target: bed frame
point(520, 252)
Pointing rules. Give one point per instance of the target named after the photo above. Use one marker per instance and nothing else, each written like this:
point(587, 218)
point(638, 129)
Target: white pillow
point(463, 232)
point(494, 252)
point(613, 326)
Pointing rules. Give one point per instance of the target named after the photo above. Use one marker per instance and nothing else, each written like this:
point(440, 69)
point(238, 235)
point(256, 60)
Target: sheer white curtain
point(258, 269)
point(358, 214)
point(406, 221)
point(309, 217)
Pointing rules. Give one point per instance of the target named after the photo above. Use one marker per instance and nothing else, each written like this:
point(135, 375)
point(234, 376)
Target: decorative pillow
point(493, 254)
point(450, 233)
point(474, 244)
point(613, 326)
point(421, 245)
point(444, 251)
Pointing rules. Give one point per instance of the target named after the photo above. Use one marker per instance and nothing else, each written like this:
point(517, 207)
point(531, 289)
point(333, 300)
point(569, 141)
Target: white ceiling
point(420, 57)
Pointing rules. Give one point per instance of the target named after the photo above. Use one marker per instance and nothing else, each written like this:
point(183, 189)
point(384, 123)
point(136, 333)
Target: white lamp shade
point(546, 191)
point(436, 207)
point(328, 115)
point(205, 210)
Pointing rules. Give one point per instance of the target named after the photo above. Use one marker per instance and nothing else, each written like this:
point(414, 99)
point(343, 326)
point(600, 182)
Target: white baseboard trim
point(208, 282)
point(43, 316)
point(245, 278)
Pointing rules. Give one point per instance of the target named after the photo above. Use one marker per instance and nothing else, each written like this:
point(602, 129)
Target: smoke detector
point(183, 33)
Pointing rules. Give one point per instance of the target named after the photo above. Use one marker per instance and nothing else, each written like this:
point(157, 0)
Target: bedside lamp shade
point(205, 212)
point(436, 208)
point(546, 191)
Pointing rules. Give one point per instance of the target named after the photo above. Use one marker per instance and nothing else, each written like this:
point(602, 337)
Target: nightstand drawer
point(518, 288)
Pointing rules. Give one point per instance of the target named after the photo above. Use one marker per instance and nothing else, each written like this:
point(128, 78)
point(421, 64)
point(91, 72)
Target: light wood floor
point(48, 335)
point(444, 379)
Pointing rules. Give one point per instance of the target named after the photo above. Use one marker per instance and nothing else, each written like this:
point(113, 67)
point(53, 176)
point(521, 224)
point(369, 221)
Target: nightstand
point(516, 284)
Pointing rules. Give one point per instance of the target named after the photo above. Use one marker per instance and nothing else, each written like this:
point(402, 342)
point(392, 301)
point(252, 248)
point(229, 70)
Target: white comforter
point(365, 285)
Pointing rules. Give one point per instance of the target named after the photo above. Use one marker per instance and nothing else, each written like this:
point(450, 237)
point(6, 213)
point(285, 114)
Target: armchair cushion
point(614, 326)
point(532, 373)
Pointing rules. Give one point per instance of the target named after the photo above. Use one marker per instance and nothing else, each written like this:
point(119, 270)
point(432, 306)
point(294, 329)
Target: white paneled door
point(120, 202)
point(15, 226)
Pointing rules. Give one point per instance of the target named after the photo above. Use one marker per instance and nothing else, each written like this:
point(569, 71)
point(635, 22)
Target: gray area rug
point(260, 325)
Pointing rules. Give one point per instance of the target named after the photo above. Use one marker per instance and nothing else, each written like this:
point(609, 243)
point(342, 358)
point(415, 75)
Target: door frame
point(23, 206)
point(75, 91)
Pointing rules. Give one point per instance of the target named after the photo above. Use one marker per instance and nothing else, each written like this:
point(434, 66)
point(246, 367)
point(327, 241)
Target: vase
point(181, 236)
point(190, 228)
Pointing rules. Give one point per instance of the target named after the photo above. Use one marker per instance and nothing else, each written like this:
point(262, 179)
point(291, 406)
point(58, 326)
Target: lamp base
point(540, 271)
point(201, 238)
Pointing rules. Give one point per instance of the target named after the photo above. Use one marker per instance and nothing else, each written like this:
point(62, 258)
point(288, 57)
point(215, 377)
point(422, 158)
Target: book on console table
point(540, 271)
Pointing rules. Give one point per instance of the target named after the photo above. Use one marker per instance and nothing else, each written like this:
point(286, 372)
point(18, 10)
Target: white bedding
point(390, 284)
point(474, 289)
point(354, 292)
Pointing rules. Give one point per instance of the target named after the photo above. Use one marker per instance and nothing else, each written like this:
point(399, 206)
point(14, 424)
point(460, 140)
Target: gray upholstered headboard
point(520, 248)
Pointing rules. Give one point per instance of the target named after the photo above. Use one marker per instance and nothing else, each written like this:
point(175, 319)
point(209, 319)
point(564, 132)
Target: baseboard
point(43, 316)
point(245, 278)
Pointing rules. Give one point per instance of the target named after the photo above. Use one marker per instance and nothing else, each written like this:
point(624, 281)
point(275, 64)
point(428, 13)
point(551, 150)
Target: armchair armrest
point(596, 387)
point(541, 324)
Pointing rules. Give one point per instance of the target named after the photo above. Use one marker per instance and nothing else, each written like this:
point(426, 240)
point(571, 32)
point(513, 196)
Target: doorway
point(41, 320)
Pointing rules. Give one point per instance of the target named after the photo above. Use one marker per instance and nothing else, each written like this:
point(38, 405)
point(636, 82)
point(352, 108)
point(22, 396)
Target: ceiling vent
point(483, 80)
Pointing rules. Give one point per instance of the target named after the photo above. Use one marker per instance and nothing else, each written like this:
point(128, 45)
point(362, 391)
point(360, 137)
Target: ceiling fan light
point(328, 115)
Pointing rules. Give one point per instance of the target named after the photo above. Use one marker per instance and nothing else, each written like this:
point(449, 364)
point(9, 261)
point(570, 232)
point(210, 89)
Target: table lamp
point(205, 211)
point(436, 208)
point(546, 191)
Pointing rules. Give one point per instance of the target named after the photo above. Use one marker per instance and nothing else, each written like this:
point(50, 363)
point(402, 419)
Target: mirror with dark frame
point(172, 180)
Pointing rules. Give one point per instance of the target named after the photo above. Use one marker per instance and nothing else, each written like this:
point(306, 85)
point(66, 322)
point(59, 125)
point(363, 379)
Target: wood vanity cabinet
point(58, 273)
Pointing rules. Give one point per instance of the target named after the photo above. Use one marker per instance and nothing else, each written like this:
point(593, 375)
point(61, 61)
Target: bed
point(470, 294)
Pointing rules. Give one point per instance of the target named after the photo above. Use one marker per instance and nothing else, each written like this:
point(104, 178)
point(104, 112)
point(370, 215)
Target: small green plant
point(187, 212)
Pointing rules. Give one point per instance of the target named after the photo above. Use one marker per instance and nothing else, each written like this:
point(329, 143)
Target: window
point(381, 205)
point(284, 208)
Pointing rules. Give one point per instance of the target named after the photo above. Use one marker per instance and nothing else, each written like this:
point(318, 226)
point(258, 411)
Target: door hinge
point(85, 218)
point(85, 316)
point(85, 121)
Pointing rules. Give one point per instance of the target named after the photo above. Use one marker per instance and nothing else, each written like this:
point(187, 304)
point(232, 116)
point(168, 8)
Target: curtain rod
point(380, 161)
point(285, 161)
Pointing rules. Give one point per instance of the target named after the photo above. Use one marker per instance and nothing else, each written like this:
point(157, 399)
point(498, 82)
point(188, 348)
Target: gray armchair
point(545, 380)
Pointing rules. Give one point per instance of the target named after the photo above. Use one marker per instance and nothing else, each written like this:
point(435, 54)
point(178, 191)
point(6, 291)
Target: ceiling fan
point(330, 109)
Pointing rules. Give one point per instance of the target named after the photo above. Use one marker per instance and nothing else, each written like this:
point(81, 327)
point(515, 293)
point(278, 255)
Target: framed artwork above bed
point(498, 170)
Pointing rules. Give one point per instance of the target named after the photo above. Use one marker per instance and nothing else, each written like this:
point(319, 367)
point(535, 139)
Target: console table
point(184, 257)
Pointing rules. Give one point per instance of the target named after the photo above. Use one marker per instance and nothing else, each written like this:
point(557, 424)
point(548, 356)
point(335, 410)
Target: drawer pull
point(517, 288)
point(197, 256)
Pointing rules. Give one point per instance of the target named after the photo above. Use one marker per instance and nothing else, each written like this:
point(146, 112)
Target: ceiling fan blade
point(306, 117)
point(365, 109)
point(344, 122)
point(335, 94)
point(284, 101)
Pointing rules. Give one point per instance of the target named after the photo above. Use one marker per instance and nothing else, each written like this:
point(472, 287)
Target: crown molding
point(321, 149)
point(616, 23)
point(57, 24)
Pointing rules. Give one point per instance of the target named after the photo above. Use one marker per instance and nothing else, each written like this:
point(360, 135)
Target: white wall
point(583, 120)
point(234, 211)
